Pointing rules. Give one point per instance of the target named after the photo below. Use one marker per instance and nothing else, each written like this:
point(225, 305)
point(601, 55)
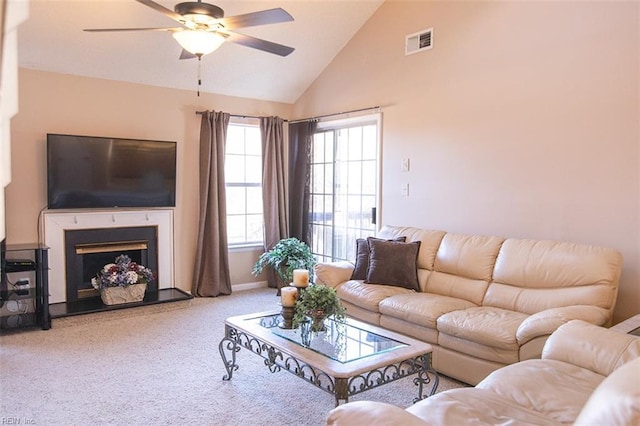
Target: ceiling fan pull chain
point(199, 73)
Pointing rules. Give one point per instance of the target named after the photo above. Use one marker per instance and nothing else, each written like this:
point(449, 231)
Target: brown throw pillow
point(362, 257)
point(393, 263)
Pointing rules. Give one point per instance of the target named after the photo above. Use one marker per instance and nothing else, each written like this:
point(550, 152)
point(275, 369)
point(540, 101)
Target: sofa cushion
point(471, 256)
point(393, 263)
point(463, 266)
point(534, 300)
point(362, 257)
point(617, 400)
point(421, 308)
point(456, 286)
point(542, 274)
point(470, 406)
point(367, 296)
point(486, 358)
point(521, 383)
point(487, 326)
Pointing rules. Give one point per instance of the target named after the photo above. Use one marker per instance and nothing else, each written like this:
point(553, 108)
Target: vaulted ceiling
point(53, 40)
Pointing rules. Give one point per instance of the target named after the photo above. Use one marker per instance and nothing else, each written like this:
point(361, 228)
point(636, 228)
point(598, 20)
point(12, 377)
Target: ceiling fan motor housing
point(199, 8)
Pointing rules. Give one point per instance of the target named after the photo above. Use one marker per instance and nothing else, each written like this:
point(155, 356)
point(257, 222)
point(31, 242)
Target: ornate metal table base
point(341, 388)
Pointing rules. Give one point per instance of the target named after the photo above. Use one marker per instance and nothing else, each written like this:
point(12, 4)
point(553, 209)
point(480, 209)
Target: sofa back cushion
point(533, 275)
point(463, 266)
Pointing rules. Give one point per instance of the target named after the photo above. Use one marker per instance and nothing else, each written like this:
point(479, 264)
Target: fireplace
point(82, 242)
point(88, 250)
point(58, 226)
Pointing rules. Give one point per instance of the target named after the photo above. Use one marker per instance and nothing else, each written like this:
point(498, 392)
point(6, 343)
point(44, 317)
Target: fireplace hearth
point(90, 305)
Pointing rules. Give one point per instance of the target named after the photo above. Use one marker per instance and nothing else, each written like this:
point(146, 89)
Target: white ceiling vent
point(417, 42)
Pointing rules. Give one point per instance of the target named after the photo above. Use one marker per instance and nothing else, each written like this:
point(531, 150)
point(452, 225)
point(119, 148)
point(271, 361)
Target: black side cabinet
point(24, 286)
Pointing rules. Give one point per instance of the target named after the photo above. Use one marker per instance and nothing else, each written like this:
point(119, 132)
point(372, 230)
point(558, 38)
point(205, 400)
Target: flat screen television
point(98, 172)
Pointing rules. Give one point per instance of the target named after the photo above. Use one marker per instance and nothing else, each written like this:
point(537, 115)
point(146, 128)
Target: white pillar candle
point(300, 277)
point(288, 296)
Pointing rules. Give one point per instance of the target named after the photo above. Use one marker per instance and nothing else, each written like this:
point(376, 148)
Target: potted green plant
point(318, 302)
point(288, 254)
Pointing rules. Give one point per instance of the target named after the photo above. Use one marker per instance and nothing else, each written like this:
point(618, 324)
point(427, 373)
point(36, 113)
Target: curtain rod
point(234, 115)
point(318, 117)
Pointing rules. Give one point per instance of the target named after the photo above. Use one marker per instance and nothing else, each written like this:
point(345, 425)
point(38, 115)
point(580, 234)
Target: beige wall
point(11, 17)
point(57, 103)
point(522, 121)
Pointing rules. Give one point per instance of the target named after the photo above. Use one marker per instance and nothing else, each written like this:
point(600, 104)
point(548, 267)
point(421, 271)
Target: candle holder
point(287, 317)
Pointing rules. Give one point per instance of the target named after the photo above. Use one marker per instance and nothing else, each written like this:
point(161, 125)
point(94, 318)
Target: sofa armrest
point(367, 413)
point(588, 346)
point(546, 322)
point(616, 401)
point(333, 273)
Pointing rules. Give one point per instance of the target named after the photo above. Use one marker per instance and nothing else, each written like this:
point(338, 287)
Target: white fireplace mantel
point(55, 223)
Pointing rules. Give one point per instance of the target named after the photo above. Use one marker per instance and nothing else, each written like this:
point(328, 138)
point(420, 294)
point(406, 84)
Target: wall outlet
point(404, 166)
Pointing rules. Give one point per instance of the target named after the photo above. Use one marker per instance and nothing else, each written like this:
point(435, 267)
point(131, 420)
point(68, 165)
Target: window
point(344, 186)
point(243, 177)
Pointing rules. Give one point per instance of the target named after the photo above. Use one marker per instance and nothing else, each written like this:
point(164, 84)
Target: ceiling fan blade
point(270, 16)
point(185, 54)
point(99, 30)
point(257, 43)
point(160, 8)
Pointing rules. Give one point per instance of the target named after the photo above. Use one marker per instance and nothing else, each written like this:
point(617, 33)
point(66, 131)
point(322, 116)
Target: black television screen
point(98, 172)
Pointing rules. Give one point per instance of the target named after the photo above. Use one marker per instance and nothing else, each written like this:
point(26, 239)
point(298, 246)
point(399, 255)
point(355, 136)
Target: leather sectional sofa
point(482, 302)
point(588, 375)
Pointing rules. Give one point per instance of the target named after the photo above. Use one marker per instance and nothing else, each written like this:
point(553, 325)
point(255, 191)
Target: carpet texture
point(159, 366)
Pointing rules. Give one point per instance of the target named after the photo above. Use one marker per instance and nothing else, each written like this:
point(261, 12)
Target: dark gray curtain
point(274, 197)
point(211, 273)
point(300, 140)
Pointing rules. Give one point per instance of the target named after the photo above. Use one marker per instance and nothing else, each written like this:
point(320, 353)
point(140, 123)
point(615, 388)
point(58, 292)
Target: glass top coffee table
point(344, 360)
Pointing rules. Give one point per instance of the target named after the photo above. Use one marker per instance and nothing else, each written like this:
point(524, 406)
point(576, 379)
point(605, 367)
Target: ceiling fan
point(204, 28)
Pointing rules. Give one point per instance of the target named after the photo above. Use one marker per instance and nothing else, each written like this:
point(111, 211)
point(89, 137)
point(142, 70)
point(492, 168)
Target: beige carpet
point(159, 366)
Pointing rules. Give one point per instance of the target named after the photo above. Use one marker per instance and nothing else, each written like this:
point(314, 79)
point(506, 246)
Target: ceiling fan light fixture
point(199, 42)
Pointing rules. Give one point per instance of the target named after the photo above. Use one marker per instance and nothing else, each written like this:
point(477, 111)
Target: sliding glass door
point(344, 185)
